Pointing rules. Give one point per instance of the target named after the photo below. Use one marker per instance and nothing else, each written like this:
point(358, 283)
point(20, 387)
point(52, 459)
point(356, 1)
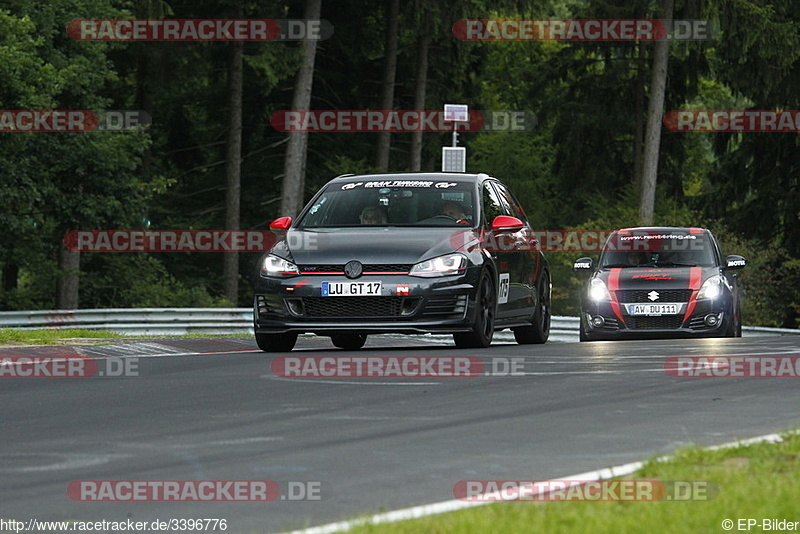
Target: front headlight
point(277, 267)
point(711, 288)
point(441, 266)
point(598, 290)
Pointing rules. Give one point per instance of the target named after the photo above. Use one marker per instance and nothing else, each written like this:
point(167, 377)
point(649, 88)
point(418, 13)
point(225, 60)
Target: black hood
point(367, 245)
point(655, 277)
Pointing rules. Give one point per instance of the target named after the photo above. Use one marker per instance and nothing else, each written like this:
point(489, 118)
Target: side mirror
point(281, 223)
point(735, 262)
point(504, 223)
point(582, 264)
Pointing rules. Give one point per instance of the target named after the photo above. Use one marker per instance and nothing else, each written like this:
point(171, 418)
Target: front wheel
point(349, 341)
point(276, 342)
point(485, 308)
point(539, 330)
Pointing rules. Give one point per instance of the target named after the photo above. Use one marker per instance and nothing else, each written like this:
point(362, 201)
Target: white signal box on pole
point(454, 158)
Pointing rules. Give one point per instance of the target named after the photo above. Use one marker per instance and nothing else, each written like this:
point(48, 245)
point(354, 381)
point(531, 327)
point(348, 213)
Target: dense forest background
point(211, 104)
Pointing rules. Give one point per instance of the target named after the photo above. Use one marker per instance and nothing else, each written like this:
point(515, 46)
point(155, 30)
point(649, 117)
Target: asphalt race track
point(214, 410)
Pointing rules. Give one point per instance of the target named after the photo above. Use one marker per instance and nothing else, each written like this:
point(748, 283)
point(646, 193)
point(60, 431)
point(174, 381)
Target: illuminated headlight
point(277, 267)
point(440, 266)
point(598, 290)
point(711, 288)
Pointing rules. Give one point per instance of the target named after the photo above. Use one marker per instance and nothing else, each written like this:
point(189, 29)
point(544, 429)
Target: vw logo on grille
point(353, 269)
point(653, 295)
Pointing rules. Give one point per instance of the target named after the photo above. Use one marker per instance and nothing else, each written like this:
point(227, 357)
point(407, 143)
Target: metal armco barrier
point(138, 321)
point(222, 321)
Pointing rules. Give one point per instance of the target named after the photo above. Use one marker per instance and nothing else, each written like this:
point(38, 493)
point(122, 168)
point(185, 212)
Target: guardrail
point(138, 321)
point(223, 321)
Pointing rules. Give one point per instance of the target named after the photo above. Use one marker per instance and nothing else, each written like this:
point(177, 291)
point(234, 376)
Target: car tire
point(582, 334)
point(539, 331)
point(276, 342)
point(485, 309)
point(349, 341)
point(733, 327)
point(738, 323)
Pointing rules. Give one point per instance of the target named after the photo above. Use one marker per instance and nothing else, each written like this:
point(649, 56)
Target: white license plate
point(654, 309)
point(351, 289)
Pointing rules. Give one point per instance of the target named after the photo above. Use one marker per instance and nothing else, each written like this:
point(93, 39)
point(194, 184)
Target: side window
point(510, 202)
point(492, 205)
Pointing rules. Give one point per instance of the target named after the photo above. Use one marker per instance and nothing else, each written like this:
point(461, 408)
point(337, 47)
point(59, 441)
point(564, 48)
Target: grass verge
point(51, 336)
point(757, 482)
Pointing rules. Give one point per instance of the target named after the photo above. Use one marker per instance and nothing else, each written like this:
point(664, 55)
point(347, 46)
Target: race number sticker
point(502, 289)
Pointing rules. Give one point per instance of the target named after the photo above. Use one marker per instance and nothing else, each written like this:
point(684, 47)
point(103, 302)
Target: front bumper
point(621, 325)
point(406, 305)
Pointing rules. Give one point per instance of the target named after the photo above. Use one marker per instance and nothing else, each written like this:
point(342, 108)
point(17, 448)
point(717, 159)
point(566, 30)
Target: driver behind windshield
point(373, 215)
point(454, 211)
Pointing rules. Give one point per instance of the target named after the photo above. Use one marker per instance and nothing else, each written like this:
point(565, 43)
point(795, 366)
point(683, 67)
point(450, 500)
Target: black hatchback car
point(404, 253)
point(661, 282)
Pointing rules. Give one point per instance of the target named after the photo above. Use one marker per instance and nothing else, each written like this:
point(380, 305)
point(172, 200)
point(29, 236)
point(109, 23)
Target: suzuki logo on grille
point(653, 295)
point(353, 269)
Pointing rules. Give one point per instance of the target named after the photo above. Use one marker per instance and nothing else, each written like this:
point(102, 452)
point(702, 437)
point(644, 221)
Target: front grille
point(358, 307)
point(697, 323)
point(445, 305)
point(664, 322)
point(311, 269)
point(611, 325)
point(367, 268)
point(664, 295)
point(387, 267)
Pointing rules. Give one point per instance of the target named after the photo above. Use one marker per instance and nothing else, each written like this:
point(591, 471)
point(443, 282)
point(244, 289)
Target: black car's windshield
point(654, 250)
point(392, 203)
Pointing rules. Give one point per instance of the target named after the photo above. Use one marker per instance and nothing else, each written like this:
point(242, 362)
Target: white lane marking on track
point(415, 512)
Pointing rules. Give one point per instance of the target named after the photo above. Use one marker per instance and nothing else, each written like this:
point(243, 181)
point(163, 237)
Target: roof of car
point(665, 229)
point(453, 176)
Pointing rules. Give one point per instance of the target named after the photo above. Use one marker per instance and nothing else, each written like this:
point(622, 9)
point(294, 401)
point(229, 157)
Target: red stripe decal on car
point(695, 274)
point(613, 285)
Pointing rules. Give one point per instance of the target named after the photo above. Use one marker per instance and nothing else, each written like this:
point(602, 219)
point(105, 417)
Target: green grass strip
point(757, 482)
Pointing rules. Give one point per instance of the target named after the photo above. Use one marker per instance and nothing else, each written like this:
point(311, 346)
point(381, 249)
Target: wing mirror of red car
point(735, 262)
point(582, 264)
point(504, 223)
point(281, 223)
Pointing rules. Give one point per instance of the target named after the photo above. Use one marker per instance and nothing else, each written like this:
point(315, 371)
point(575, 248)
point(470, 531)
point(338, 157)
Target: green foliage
point(574, 169)
point(129, 280)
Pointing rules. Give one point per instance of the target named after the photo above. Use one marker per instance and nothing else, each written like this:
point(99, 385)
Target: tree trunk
point(10, 276)
point(652, 139)
point(638, 134)
point(233, 165)
point(419, 93)
point(294, 173)
point(69, 264)
point(389, 73)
